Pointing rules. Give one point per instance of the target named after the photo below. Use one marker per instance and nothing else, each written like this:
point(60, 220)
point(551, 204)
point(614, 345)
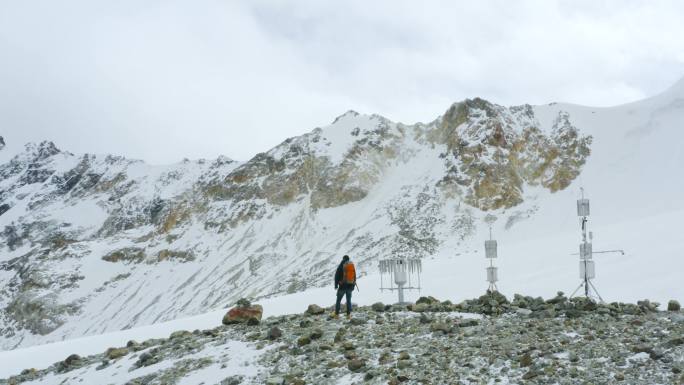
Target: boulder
point(647, 306)
point(673, 306)
point(244, 314)
point(356, 365)
point(525, 360)
point(243, 302)
point(467, 322)
point(558, 299)
point(72, 360)
point(304, 323)
point(232, 380)
point(348, 345)
point(531, 374)
point(274, 333)
point(148, 358)
point(378, 307)
point(180, 334)
point(114, 353)
point(339, 336)
point(385, 358)
point(276, 380)
point(523, 312)
point(314, 309)
point(443, 327)
point(427, 300)
point(316, 334)
point(497, 297)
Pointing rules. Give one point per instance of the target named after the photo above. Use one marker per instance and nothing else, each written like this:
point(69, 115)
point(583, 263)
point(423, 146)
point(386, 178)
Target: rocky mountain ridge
point(93, 243)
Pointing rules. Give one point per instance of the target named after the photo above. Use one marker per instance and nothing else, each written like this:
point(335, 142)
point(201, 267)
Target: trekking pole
point(357, 287)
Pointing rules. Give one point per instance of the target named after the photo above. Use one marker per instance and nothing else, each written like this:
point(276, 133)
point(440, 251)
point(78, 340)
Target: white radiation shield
point(492, 275)
point(490, 249)
point(585, 250)
point(587, 267)
point(583, 207)
point(400, 277)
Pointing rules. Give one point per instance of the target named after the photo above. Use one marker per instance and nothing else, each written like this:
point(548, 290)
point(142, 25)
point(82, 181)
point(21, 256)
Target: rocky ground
point(488, 340)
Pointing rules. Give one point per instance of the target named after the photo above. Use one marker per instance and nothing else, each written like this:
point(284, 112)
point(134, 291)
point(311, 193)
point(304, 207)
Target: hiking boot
point(334, 316)
point(348, 316)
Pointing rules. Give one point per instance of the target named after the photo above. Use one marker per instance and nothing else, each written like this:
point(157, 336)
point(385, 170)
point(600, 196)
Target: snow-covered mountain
point(94, 243)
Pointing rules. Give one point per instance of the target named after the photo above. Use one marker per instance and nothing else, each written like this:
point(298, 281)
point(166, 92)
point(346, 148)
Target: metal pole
point(574, 292)
point(596, 291)
point(586, 281)
point(603, 252)
point(401, 293)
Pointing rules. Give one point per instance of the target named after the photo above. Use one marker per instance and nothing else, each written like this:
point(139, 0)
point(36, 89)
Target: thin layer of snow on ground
point(639, 357)
point(242, 363)
point(237, 358)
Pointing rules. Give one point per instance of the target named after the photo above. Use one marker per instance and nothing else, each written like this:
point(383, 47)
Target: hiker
point(345, 281)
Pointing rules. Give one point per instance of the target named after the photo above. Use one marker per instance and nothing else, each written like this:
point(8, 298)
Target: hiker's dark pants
point(344, 291)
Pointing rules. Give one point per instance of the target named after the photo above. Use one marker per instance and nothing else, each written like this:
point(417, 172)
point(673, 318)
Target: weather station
point(400, 274)
point(492, 271)
point(587, 267)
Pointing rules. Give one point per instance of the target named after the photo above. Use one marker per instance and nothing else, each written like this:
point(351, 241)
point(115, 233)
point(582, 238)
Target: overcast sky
point(164, 80)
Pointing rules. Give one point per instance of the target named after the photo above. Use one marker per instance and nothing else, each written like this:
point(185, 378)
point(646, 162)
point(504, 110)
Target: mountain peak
point(42, 150)
point(348, 114)
point(2, 143)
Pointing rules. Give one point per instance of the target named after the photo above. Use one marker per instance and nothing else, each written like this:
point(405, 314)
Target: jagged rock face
point(300, 166)
point(2, 143)
point(492, 152)
point(95, 200)
point(101, 243)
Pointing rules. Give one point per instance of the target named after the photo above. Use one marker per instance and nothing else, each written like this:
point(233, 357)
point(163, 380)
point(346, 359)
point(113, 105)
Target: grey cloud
point(166, 80)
